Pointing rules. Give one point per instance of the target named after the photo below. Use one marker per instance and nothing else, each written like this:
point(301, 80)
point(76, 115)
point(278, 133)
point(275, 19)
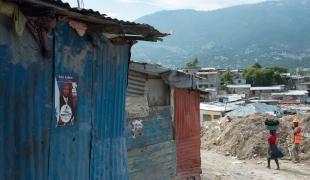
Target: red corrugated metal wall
point(187, 124)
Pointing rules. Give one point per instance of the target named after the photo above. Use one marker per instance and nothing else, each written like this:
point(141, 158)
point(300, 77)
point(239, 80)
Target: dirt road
point(220, 167)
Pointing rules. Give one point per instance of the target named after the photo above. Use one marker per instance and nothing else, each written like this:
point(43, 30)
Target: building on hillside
point(190, 70)
point(162, 123)
point(239, 81)
point(239, 89)
point(229, 98)
point(296, 82)
point(207, 95)
point(237, 77)
point(303, 86)
point(265, 92)
point(292, 96)
point(303, 71)
point(215, 111)
point(210, 78)
point(63, 80)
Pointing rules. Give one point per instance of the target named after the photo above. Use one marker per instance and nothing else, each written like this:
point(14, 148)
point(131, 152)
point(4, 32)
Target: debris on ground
point(245, 137)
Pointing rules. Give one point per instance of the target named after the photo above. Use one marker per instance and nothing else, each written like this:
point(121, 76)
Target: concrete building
point(239, 89)
point(303, 86)
point(297, 96)
point(214, 111)
point(237, 77)
point(210, 78)
point(265, 91)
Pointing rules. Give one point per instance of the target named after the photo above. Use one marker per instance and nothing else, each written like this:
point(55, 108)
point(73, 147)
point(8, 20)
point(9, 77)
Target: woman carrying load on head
point(273, 150)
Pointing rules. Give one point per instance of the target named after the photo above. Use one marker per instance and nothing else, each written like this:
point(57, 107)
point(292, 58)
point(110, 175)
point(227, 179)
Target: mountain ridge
point(272, 33)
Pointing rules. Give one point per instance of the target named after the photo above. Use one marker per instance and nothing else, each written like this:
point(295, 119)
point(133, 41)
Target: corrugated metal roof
point(171, 77)
point(292, 93)
point(248, 86)
point(267, 88)
point(94, 19)
point(218, 107)
point(187, 124)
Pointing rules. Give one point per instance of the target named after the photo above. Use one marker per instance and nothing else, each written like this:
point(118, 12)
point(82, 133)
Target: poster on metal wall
point(65, 100)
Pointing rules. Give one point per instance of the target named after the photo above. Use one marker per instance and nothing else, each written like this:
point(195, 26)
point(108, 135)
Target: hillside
point(270, 33)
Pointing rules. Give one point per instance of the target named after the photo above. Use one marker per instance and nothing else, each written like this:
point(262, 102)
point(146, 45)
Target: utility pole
point(78, 3)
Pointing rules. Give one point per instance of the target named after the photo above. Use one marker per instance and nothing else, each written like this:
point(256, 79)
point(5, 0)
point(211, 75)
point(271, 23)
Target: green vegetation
point(268, 76)
point(193, 63)
point(300, 72)
point(226, 78)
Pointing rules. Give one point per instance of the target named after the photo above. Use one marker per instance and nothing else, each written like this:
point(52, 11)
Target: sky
point(133, 9)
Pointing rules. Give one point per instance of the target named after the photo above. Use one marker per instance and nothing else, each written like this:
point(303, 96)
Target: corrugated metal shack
point(63, 81)
point(163, 123)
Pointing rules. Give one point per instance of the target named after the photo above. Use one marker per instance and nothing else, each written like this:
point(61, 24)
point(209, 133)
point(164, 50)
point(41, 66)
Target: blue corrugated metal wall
point(31, 147)
point(153, 155)
point(25, 106)
point(109, 149)
point(70, 146)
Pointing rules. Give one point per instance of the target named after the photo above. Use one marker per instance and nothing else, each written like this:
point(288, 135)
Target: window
point(216, 117)
point(239, 81)
point(211, 85)
point(207, 117)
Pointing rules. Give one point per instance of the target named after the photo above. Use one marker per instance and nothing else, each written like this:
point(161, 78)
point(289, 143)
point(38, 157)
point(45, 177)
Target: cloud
point(192, 4)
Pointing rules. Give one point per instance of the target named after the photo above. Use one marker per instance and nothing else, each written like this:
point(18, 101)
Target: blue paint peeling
point(153, 154)
point(31, 146)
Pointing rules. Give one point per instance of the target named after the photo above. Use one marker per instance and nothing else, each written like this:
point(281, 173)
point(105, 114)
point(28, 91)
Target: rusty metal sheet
point(187, 124)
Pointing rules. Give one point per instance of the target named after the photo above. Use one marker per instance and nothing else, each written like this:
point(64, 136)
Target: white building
point(214, 111)
point(209, 79)
point(239, 89)
point(266, 91)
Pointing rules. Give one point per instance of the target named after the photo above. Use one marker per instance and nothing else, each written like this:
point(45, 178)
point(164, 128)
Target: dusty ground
point(220, 167)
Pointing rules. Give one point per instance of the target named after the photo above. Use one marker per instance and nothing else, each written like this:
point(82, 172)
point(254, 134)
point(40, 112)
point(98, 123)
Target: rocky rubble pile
point(245, 137)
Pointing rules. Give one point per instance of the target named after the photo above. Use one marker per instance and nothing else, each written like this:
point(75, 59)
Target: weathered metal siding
point(31, 147)
point(25, 105)
point(187, 124)
point(153, 155)
point(109, 148)
point(70, 146)
point(96, 145)
point(136, 83)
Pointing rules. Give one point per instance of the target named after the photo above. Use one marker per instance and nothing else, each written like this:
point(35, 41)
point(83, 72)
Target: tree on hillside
point(259, 76)
point(226, 78)
point(300, 72)
point(193, 63)
point(257, 66)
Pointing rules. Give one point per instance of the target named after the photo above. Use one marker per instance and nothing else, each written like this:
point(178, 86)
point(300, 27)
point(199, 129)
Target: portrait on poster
point(65, 100)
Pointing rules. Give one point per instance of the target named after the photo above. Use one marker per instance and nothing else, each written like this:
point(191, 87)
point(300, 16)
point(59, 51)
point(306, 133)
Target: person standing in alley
point(273, 151)
point(297, 139)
